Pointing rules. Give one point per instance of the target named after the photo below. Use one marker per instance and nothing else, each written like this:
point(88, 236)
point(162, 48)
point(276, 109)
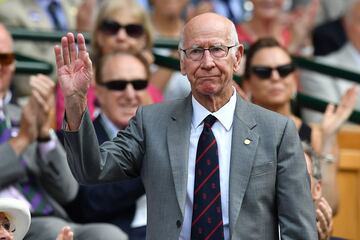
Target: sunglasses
point(264, 72)
point(110, 27)
point(7, 58)
point(120, 85)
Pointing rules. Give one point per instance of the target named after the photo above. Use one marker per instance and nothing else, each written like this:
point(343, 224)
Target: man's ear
point(182, 66)
point(238, 57)
point(317, 193)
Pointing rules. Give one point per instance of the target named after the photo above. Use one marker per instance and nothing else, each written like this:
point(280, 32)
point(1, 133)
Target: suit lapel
point(178, 139)
point(99, 127)
point(244, 144)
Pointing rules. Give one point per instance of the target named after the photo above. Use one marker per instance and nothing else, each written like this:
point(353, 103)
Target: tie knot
point(209, 121)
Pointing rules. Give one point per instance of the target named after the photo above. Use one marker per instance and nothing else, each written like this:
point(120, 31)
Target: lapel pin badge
point(247, 141)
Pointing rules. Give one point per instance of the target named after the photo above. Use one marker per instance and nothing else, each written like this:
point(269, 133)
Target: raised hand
point(334, 117)
point(74, 72)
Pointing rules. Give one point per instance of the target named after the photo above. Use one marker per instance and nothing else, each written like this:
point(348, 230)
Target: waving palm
point(74, 72)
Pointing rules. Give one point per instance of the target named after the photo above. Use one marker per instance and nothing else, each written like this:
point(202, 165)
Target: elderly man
point(213, 165)
point(33, 162)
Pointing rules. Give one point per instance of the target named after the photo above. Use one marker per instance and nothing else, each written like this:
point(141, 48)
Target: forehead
point(123, 66)
point(126, 16)
point(5, 41)
point(271, 56)
point(3, 216)
point(206, 34)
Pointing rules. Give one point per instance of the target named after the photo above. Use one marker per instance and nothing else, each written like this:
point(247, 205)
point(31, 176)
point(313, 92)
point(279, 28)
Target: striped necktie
point(207, 220)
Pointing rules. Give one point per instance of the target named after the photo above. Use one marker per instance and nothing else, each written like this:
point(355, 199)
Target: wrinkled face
point(210, 76)
point(267, 8)
point(274, 91)
point(353, 26)
point(121, 41)
point(6, 70)
point(5, 228)
point(121, 105)
point(170, 7)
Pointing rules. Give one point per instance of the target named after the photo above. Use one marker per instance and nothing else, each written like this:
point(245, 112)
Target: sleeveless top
point(305, 133)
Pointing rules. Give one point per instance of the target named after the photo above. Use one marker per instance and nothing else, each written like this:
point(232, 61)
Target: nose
point(130, 92)
point(121, 34)
point(4, 234)
point(207, 61)
point(275, 75)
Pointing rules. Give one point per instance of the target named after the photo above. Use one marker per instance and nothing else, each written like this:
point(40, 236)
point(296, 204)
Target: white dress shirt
point(222, 130)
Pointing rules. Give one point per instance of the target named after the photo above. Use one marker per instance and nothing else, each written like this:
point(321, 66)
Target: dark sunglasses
point(7, 58)
point(264, 72)
point(120, 85)
point(111, 28)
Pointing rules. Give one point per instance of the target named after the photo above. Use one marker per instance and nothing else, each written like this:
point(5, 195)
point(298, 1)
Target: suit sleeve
point(10, 166)
point(295, 206)
point(114, 160)
point(56, 176)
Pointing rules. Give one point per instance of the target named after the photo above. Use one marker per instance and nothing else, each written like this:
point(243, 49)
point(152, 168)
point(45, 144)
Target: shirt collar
point(110, 128)
point(8, 96)
point(45, 3)
point(224, 115)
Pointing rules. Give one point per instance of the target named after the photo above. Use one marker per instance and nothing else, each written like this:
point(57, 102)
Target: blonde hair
point(111, 7)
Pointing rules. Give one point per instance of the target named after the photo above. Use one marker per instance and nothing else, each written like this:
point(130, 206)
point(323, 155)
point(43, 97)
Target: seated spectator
point(120, 25)
point(121, 81)
point(33, 162)
point(167, 18)
point(14, 219)
point(36, 15)
point(270, 80)
point(268, 21)
point(329, 88)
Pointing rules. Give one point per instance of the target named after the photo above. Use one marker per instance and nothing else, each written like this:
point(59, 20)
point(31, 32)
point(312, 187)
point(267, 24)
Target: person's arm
point(50, 156)
point(295, 207)
point(324, 142)
point(74, 72)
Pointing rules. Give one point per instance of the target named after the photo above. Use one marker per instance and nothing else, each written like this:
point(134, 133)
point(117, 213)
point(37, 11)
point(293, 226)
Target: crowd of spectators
point(125, 77)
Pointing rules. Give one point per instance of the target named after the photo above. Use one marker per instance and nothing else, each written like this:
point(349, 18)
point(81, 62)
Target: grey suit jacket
point(52, 173)
point(269, 185)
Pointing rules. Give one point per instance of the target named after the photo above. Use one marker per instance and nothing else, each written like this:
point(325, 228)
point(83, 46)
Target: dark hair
point(99, 65)
point(267, 42)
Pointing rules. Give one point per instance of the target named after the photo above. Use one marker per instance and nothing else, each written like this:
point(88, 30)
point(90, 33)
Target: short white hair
point(233, 39)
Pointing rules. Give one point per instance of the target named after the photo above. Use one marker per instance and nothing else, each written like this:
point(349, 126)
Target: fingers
point(58, 57)
point(42, 90)
point(72, 47)
point(65, 48)
point(65, 234)
point(330, 108)
point(83, 54)
point(326, 210)
point(324, 218)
